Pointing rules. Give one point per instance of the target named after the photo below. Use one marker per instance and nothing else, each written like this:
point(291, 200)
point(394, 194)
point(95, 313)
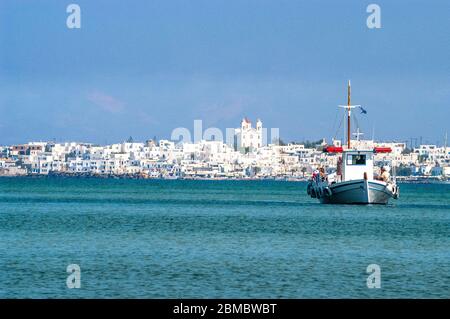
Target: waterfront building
point(247, 138)
point(250, 158)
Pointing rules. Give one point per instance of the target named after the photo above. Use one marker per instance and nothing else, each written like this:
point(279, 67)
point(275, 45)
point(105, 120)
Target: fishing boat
point(354, 181)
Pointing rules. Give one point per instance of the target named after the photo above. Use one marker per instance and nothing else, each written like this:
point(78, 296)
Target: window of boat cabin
point(356, 159)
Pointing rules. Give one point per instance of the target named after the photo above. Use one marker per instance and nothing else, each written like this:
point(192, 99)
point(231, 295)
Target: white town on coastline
point(246, 157)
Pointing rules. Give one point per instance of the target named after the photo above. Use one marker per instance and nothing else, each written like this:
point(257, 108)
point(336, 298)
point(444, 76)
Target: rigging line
point(356, 121)
point(339, 127)
point(334, 122)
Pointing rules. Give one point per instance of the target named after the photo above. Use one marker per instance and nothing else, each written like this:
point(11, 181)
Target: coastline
point(142, 177)
point(400, 180)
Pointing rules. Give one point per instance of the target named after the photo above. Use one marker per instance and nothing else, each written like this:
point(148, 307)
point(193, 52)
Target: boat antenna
point(445, 143)
point(445, 154)
point(358, 133)
point(349, 108)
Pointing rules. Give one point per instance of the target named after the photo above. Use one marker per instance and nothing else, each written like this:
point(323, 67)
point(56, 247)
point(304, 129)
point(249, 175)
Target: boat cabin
point(357, 165)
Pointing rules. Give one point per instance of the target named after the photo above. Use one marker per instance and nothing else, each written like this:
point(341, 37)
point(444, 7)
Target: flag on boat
point(363, 111)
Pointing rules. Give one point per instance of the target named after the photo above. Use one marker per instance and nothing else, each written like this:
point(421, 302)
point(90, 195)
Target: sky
point(143, 68)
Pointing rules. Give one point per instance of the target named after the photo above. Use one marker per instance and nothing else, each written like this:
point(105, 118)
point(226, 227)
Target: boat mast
point(348, 113)
point(349, 108)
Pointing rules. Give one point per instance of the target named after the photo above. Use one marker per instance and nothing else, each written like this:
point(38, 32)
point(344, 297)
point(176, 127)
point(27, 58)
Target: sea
point(217, 239)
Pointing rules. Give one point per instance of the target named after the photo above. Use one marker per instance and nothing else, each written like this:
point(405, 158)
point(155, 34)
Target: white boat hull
point(356, 192)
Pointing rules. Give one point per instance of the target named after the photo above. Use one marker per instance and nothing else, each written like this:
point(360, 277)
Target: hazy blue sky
point(143, 68)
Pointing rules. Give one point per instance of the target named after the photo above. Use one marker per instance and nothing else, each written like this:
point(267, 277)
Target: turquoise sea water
point(217, 239)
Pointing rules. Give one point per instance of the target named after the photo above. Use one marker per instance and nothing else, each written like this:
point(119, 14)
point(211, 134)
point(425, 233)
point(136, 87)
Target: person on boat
point(384, 175)
point(339, 169)
point(323, 175)
point(315, 175)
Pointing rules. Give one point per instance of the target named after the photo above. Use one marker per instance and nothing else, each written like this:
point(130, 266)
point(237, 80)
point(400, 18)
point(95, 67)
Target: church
point(247, 138)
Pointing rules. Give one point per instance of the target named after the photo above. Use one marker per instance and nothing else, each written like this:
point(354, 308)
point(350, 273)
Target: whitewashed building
point(248, 138)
